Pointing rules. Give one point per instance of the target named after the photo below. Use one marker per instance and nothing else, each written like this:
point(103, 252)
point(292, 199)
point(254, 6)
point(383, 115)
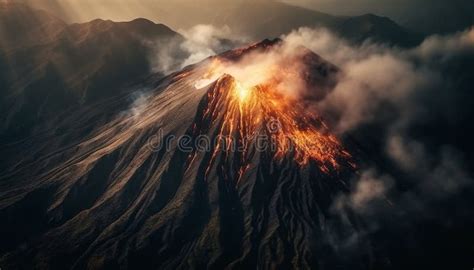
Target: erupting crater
point(258, 197)
point(260, 117)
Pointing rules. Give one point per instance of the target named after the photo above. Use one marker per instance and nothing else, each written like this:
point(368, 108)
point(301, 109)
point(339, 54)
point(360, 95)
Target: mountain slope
point(110, 194)
point(72, 65)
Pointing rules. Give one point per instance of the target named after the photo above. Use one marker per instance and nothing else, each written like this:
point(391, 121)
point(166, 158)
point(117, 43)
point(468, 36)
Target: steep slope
point(70, 66)
point(128, 192)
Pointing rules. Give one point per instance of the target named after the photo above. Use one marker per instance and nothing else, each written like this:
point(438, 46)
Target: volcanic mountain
point(48, 66)
point(250, 185)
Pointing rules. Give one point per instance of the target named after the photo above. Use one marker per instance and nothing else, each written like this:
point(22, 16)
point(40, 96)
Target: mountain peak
point(263, 45)
point(182, 167)
point(376, 28)
point(142, 22)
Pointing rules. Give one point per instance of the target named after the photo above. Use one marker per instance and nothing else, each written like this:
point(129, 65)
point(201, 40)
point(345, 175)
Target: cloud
point(443, 48)
point(411, 109)
point(277, 66)
point(436, 174)
point(406, 153)
point(388, 97)
point(165, 56)
point(203, 41)
point(194, 45)
point(368, 85)
point(369, 187)
point(376, 76)
point(138, 100)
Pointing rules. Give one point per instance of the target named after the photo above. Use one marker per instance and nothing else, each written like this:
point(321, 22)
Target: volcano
point(215, 166)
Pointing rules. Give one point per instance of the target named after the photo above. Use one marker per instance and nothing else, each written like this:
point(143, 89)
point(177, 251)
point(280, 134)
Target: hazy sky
point(440, 14)
point(420, 15)
point(351, 7)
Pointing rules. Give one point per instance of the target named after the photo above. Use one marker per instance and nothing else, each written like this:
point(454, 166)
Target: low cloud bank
point(413, 108)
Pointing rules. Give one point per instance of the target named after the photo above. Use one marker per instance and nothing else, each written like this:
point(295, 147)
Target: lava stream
point(248, 114)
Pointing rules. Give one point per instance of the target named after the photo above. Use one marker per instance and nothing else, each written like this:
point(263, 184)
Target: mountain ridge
point(107, 198)
point(74, 65)
point(254, 19)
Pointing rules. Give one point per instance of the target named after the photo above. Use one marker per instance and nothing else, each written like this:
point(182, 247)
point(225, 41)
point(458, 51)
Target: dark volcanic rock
point(95, 191)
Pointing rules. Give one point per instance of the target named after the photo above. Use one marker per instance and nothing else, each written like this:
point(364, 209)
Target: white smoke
point(381, 94)
point(387, 93)
point(376, 75)
point(194, 45)
point(389, 87)
point(203, 41)
point(277, 66)
point(370, 187)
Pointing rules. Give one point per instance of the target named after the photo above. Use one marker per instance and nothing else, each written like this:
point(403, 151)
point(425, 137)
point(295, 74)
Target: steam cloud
point(412, 106)
point(409, 105)
point(278, 66)
point(376, 74)
point(196, 44)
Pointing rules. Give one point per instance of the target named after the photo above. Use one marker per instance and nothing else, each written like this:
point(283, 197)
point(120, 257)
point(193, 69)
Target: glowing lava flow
point(245, 114)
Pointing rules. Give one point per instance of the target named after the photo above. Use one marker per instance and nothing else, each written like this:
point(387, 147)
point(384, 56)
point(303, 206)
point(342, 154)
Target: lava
point(242, 93)
point(245, 113)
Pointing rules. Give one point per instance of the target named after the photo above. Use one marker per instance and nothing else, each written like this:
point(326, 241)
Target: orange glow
point(247, 112)
point(242, 93)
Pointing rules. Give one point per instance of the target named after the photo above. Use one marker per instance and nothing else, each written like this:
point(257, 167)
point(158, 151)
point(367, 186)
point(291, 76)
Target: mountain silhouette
point(47, 66)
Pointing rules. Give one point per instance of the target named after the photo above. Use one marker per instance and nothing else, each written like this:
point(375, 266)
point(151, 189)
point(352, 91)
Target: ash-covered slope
point(127, 193)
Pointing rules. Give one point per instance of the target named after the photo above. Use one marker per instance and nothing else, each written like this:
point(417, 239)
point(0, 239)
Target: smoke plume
point(411, 108)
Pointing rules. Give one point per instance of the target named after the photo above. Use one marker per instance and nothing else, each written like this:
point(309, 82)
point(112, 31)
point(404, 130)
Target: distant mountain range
point(424, 16)
point(257, 19)
point(263, 19)
point(49, 66)
point(83, 184)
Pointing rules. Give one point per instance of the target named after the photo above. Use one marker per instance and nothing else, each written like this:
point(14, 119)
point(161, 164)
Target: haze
point(419, 15)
